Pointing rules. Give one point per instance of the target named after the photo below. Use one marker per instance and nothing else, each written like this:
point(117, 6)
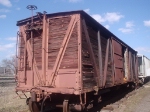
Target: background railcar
point(143, 68)
point(67, 59)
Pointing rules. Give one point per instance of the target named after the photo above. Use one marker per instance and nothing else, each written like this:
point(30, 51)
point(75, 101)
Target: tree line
point(9, 64)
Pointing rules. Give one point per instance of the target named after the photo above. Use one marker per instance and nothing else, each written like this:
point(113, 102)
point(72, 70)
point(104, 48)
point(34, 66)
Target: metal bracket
point(21, 95)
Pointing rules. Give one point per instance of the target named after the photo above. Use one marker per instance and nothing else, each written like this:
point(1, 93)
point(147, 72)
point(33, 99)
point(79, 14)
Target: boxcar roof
point(97, 24)
point(141, 55)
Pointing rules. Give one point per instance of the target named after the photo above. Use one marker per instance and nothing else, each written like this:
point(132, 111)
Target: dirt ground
point(9, 101)
point(139, 101)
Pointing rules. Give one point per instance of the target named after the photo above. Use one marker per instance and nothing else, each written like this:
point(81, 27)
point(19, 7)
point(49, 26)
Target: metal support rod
point(25, 57)
point(32, 47)
point(100, 58)
point(32, 7)
point(81, 102)
point(106, 62)
point(42, 105)
point(16, 52)
point(19, 60)
point(32, 16)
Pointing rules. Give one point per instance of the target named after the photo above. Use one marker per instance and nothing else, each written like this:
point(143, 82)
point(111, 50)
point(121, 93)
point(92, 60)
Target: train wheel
point(65, 106)
point(33, 106)
point(141, 81)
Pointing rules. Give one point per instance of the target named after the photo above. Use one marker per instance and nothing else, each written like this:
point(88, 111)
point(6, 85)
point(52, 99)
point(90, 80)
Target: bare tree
point(10, 64)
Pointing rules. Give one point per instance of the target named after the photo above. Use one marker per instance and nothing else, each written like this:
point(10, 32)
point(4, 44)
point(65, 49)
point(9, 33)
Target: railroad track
point(7, 80)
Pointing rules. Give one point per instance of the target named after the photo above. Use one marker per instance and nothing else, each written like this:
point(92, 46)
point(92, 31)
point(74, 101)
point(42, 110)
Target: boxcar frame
point(67, 59)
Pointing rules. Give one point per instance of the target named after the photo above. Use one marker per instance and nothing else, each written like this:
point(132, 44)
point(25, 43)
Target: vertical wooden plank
point(46, 58)
point(91, 53)
point(126, 63)
point(44, 42)
point(106, 63)
point(100, 58)
point(134, 76)
point(136, 68)
point(129, 73)
point(131, 63)
point(112, 63)
point(80, 50)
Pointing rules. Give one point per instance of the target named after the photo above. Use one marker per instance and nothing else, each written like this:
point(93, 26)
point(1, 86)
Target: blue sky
point(129, 20)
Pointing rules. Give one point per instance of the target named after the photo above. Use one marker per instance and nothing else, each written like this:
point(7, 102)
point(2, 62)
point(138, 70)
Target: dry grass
point(10, 102)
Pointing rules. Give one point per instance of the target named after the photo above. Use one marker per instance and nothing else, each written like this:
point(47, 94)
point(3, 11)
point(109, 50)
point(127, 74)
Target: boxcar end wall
point(71, 53)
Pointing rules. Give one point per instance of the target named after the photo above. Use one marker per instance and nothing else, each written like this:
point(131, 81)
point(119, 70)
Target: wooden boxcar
point(66, 59)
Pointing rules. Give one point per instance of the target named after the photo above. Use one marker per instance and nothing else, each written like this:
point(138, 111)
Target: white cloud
point(108, 17)
point(125, 30)
point(11, 38)
point(18, 8)
point(6, 3)
point(98, 18)
point(147, 23)
point(87, 11)
point(113, 17)
point(4, 10)
point(2, 16)
point(74, 1)
point(129, 24)
point(128, 27)
point(143, 50)
point(6, 46)
point(107, 26)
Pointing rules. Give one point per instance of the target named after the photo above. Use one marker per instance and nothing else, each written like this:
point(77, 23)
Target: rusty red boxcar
point(66, 59)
